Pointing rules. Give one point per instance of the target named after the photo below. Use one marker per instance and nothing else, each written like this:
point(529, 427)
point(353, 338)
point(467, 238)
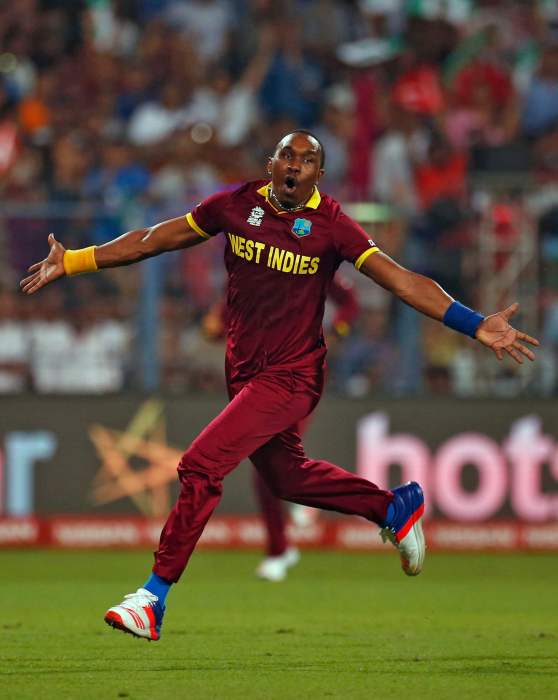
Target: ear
point(269, 162)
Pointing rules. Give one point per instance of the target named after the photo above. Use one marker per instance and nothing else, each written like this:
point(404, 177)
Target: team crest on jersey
point(256, 216)
point(302, 227)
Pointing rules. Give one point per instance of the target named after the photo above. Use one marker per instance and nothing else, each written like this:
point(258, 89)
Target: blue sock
point(389, 515)
point(159, 587)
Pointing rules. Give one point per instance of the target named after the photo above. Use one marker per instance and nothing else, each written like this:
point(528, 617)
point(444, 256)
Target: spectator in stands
point(135, 90)
point(335, 132)
point(442, 175)
point(370, 356)
point(9, 134)
point(540, 111)
point(71, 158)
point(228, 105)
point(153, 122)
point(295, 80)
point(441, 182)
point(206, 23)
point(14, 345)
point(22, 73)
point(484, 110)
point(35, 109)
point(151, 105)
point(85, 355)
point(117, 177)
point(111, 29)
point(187, 173)
point(401, 149)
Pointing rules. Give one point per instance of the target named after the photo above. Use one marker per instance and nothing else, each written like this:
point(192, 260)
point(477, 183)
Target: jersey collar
point(312, 203)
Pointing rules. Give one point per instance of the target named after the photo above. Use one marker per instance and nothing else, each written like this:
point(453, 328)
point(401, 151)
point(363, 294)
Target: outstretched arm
point(423, 294)
point(129, 248)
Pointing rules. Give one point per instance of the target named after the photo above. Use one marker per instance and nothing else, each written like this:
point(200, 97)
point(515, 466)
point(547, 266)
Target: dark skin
point(295, 169)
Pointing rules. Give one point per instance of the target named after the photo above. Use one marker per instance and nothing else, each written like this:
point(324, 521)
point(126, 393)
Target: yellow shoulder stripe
point(197, 229)
point(366, 254)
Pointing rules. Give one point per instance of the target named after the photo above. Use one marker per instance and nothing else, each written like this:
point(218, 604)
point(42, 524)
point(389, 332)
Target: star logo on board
point(136, 462)
point(256, 216)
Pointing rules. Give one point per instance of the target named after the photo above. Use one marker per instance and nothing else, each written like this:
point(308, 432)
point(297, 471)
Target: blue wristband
point(463, 319)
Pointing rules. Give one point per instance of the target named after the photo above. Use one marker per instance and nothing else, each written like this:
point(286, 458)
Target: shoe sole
point(419, 535)
point(271, 579)
point(115, 621)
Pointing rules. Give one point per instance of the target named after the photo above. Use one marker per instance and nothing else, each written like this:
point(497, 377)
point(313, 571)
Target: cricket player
point(284, 242)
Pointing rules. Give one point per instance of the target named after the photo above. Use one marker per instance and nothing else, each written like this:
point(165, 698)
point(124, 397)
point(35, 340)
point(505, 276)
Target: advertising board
point(106, 467)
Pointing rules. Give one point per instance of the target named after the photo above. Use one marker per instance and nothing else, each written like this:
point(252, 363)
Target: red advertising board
point(245, 532)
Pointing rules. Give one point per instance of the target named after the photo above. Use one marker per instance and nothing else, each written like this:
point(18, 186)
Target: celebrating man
point(284, 242)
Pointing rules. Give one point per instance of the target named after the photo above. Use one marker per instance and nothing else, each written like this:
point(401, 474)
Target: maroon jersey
point(280, 266)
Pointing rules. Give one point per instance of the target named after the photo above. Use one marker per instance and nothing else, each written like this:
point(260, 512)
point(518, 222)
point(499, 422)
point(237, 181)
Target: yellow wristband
point(81, 260)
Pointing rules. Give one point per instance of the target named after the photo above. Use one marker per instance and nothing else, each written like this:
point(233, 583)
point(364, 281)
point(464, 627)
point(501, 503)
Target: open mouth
point(290, 184)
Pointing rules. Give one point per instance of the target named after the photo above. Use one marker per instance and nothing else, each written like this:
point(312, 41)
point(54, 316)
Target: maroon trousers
point(260, 422)
point(273, 516)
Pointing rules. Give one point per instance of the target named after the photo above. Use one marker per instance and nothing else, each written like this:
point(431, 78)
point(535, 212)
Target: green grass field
point(342, 626)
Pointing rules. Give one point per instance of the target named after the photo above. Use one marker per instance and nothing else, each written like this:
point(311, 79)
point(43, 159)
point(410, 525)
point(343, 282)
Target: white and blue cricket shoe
point(404, 530)
point(140, 614)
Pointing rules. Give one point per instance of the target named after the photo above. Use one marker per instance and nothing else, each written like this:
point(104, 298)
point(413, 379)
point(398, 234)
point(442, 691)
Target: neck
point(286, 207)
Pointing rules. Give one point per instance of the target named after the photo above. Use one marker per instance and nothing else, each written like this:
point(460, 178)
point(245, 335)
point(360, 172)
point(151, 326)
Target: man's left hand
point(496, 333)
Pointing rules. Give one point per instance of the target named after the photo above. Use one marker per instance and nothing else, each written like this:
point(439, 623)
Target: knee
point(193, 462)
point(202, 461)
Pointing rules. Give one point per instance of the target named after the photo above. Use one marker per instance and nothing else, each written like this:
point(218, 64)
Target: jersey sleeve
point(208, 217)
point(352, 241)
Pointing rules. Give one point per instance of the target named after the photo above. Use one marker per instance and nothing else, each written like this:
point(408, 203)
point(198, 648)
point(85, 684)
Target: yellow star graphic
point(144, 438)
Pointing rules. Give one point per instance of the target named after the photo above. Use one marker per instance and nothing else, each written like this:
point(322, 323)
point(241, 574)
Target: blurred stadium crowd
point(114, 114)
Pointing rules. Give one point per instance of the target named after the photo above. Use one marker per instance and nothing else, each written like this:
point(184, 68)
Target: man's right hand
point(46, 271)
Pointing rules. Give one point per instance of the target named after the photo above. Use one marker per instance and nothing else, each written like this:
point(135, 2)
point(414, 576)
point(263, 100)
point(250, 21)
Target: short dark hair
point(307, 133)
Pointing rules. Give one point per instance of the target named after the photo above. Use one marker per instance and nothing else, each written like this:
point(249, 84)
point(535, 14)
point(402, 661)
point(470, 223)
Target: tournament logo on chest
point(256, 216)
